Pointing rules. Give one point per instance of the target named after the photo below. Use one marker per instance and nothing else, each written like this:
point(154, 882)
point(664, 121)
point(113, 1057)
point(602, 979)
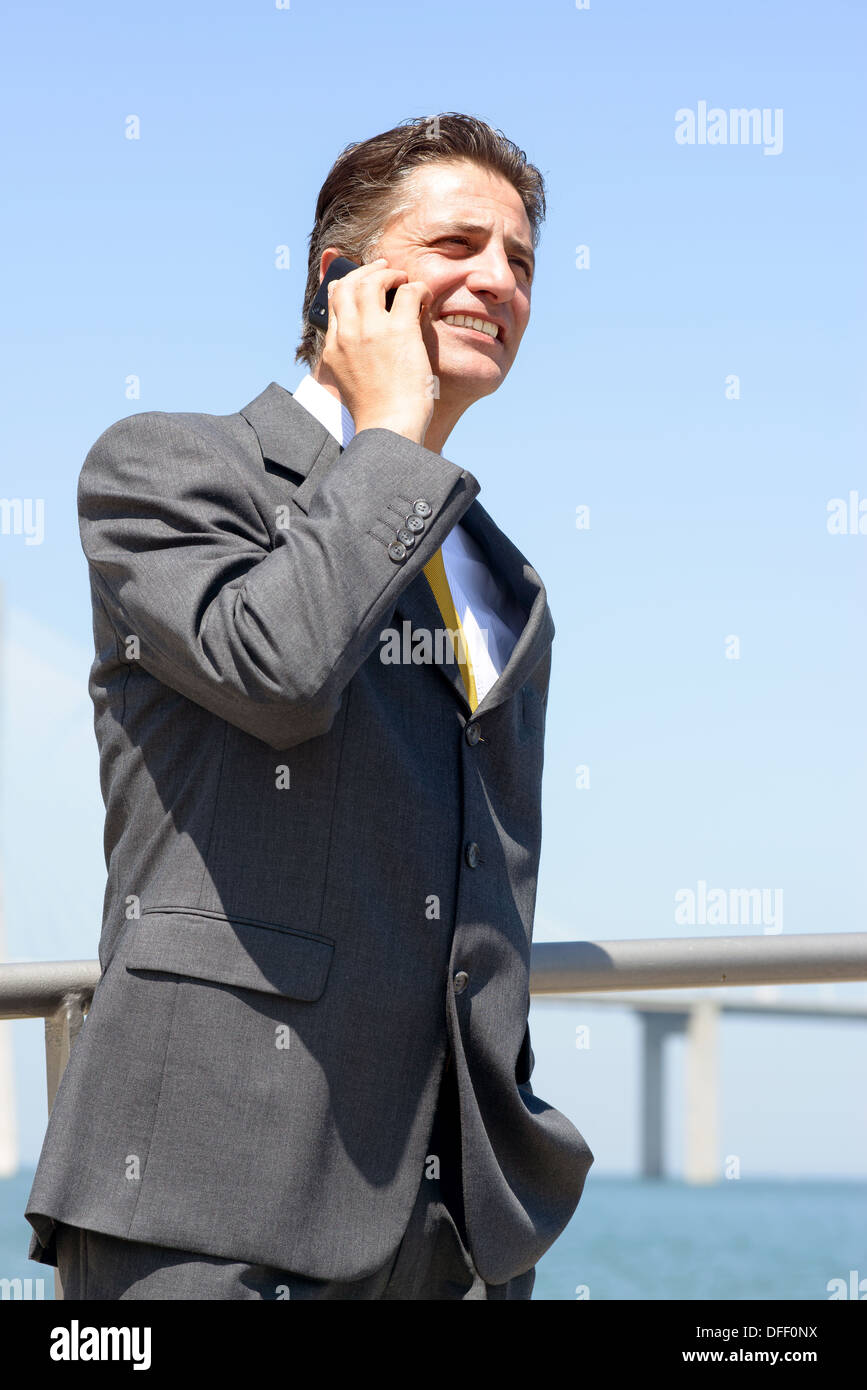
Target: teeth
point(465, 321)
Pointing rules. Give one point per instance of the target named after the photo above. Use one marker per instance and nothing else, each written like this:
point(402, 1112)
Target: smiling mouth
point(483, 327)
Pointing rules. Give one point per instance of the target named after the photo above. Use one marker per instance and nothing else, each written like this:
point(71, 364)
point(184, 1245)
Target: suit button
point(472, 734)
point(421, 507)
point(461, 981)
point(397, 551)
point(405, 537)
point(414, 523)
point(471, 854)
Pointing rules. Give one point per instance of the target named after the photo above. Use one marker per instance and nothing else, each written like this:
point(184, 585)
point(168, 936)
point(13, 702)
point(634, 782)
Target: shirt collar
point(327, 409)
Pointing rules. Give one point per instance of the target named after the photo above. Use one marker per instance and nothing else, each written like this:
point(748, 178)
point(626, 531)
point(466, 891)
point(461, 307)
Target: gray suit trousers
point(431, 1262)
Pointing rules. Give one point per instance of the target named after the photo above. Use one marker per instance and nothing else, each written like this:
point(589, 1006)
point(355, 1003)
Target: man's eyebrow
point(512, 243)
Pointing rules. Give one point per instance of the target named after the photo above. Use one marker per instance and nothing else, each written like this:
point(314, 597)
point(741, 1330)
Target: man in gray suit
point(306, 1069)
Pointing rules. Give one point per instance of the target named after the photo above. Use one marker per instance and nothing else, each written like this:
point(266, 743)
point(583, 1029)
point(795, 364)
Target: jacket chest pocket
point(231, 951)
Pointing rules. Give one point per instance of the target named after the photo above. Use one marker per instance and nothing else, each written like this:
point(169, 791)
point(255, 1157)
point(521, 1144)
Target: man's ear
point(328, 255)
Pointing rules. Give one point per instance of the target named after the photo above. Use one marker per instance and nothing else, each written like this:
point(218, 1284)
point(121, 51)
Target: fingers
point(342, 298)
point(355, 300)
point(411, 300)
point(371, 292)
point(364, 289)
point(331, 326)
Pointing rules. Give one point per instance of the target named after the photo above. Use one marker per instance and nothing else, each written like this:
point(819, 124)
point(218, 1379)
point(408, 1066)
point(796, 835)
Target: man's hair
point(365, 190)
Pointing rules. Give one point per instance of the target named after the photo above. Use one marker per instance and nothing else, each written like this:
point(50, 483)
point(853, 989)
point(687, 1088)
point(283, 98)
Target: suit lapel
point(291, 439)
point(514, 573)
point(294, 442)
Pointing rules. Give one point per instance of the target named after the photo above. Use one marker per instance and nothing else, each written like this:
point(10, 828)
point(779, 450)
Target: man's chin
point(469, 377)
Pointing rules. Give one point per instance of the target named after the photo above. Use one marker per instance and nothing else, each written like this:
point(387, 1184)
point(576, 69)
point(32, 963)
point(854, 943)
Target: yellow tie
point(435, 572)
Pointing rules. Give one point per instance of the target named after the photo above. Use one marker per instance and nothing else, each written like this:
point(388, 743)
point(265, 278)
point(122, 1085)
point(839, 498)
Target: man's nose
point(494, 273)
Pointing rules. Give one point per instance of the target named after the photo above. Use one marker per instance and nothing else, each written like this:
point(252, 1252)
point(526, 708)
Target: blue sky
point(708, 515)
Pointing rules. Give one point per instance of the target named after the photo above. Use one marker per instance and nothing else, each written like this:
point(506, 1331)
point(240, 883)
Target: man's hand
point(377, 357)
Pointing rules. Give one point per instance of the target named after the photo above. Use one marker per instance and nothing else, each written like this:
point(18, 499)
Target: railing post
point(61, 1030)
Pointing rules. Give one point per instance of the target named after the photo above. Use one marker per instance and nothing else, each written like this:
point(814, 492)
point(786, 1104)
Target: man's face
point(469, 238)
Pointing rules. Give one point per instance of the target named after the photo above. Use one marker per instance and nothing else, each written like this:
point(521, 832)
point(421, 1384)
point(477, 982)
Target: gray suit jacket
point(306, 847)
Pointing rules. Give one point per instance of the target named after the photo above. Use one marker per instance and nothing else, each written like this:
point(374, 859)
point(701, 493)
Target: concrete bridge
point(698, 1017)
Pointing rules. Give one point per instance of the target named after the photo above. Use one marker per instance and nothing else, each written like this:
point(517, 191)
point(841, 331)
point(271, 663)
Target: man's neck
point(442, 422)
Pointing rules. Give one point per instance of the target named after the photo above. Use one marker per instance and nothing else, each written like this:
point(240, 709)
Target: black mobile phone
point(317, 314)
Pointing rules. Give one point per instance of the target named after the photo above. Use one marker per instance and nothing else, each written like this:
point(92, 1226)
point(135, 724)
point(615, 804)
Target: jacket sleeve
point(263, 632)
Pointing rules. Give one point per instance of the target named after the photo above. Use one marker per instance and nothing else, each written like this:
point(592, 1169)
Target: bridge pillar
point(655, 1029)
point(702, 1093)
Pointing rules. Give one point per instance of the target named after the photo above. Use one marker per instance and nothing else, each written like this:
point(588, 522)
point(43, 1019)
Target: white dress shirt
point(492, 621)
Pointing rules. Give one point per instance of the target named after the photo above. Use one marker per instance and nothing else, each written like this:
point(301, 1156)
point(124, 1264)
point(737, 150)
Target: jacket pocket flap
point(230, 951)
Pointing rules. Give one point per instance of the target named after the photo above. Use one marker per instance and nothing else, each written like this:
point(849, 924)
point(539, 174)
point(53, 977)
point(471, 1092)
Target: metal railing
point(582, 967)
point(61, 991)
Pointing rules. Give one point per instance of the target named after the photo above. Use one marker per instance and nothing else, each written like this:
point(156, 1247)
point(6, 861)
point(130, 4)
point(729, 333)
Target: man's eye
point(462, 241)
